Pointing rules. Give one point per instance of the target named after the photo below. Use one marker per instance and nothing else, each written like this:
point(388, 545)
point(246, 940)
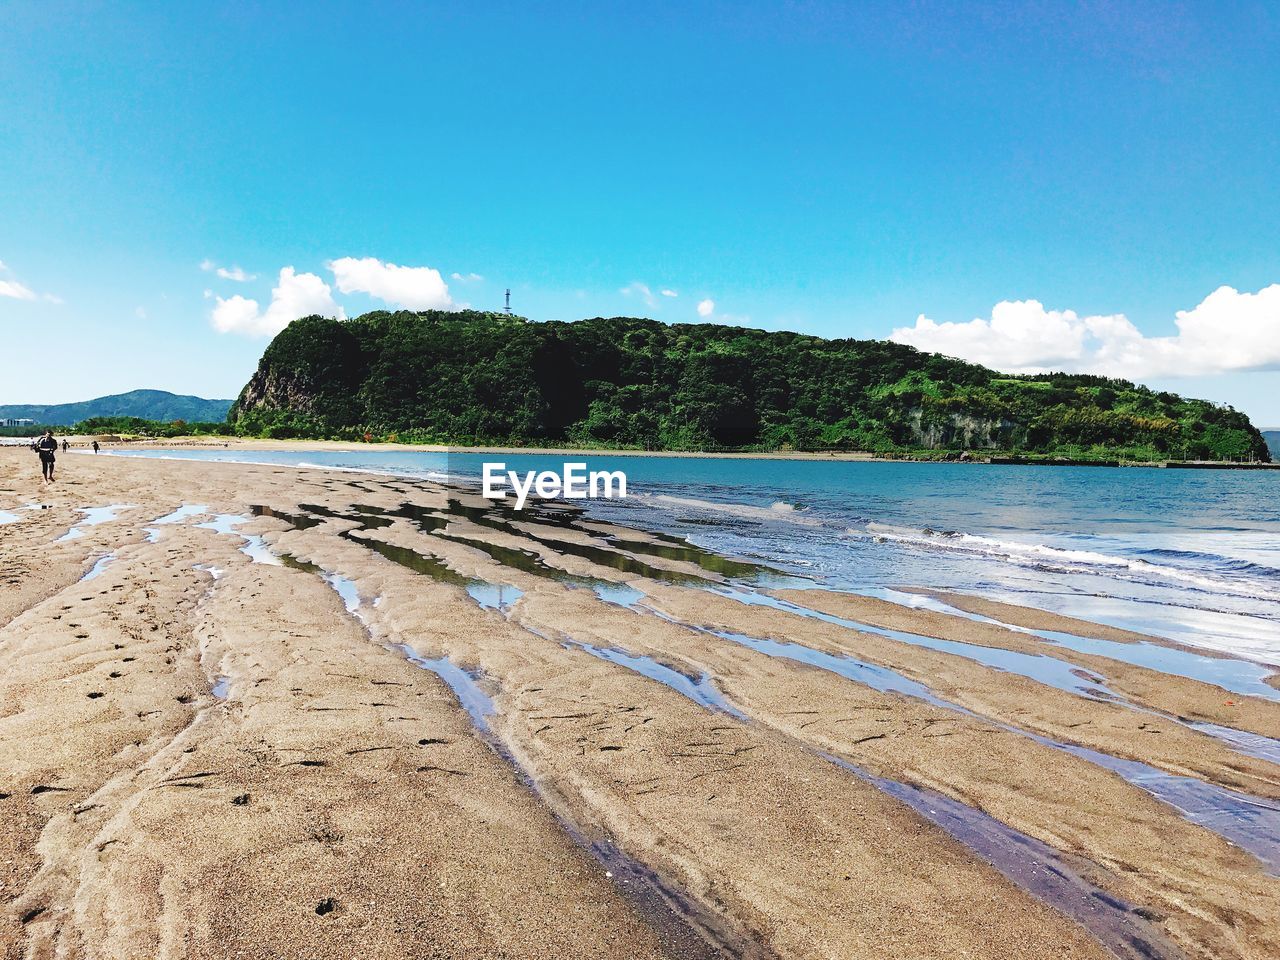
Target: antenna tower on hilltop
point(507, 308)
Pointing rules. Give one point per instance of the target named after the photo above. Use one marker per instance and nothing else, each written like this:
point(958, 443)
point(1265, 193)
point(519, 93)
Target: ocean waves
point(1236, 577)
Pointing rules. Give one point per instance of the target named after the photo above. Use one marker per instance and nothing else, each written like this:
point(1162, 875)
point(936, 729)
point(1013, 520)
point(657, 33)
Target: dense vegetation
point(145, 404)
point(27, 432)
point(469, 377)
point(125, 427)
point(140, 427)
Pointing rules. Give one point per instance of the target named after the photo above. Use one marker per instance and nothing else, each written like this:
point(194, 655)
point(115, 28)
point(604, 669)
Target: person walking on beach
point(95, 446)
point(47, 447)
point(65, 445)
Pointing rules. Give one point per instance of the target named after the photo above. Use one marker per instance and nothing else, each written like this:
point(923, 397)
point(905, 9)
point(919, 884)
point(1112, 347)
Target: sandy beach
point(210, 442)
point(213, 442)
point(263, 711)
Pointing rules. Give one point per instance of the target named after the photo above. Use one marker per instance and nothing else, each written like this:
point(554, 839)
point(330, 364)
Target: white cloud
point(706, 307)
point(418, 288)
point(295, 295)
point(644, 292)
point(16, 290)
point(466, 277)
point(1226, 331)
point(1019, 336)
point(637, 289)
point(232, 273)
point(239, 315)
point(20, 291)
point(140, 313)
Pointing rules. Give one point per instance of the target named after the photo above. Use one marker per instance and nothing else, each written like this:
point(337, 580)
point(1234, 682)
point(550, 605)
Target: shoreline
point(967, 458)
point(310, 747)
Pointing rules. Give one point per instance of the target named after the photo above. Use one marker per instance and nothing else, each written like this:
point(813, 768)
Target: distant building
point(18, 422)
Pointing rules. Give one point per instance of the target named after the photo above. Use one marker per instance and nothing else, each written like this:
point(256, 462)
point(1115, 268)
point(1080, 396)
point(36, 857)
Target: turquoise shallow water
point(1191, 555)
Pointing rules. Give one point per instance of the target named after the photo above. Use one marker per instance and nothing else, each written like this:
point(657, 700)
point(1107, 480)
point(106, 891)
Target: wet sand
point(333, 715)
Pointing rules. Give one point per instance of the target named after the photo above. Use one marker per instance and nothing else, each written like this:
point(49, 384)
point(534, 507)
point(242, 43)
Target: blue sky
point(1046, 185)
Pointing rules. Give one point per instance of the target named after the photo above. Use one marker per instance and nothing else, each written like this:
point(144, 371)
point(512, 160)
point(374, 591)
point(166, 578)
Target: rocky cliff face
point(963, 430)
point(273, 389)
point(310, 367)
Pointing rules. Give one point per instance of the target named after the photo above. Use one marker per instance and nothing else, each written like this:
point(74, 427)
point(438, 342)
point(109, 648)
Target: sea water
point(1192, 555)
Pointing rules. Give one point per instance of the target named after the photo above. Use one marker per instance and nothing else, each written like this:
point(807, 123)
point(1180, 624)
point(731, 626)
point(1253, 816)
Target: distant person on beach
point(95, 446)
point(65, 445)
point(47, 447)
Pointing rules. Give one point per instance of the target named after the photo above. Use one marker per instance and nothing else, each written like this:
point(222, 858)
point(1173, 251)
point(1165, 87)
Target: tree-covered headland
point(468, 377)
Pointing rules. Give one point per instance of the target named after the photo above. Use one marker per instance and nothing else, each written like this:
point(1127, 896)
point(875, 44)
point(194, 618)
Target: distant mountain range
point(148, 404)
point(1273, 443)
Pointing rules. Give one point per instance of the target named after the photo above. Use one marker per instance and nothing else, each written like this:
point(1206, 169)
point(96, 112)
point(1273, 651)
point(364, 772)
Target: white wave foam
point(1067, 561)
point(777, 510)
